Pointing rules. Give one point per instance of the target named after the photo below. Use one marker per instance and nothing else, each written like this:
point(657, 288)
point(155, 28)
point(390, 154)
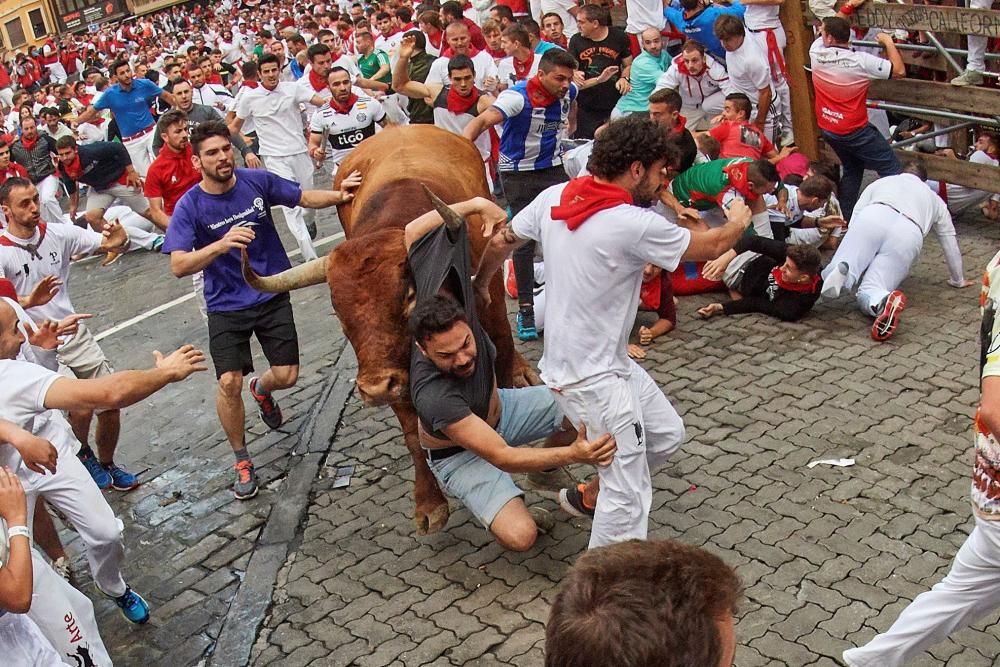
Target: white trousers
point(65, 616)
point(74, 493)
point(142, 234)
point(647, 430)
point(879, 248)
point(782, 93)
point(23, 644)
point(699, 117)
point(140, 150)
point(977, 45)
point(969, 591)
point(298, 168)
point(48, 197)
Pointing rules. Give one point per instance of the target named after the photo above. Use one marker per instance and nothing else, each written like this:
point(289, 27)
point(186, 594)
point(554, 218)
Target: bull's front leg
point(430, 513)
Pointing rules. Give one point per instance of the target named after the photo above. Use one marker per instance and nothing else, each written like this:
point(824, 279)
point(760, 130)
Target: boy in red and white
point(971, 589)
point(702, 82)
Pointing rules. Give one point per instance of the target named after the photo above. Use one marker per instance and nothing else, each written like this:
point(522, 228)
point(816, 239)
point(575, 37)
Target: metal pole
point(934, 113)
point(940, 47)
point(930, 135)
point(923, 48)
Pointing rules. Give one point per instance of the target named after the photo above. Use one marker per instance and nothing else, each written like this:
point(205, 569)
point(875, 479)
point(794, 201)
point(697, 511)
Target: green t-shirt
point(701, 186)
point(372, 63)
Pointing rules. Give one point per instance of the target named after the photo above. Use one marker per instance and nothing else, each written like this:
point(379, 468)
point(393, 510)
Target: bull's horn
point(451, 218)
point(303, 275)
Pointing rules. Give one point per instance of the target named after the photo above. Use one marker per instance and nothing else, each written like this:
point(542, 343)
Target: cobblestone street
point(828, 555)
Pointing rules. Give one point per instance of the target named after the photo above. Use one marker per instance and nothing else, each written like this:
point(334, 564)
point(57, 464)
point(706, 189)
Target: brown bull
point(370, 283)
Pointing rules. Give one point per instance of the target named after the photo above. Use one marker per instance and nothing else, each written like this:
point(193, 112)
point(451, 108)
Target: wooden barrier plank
point(914, 92)
point(981, 22)
point(956, 172)
point(800, 37)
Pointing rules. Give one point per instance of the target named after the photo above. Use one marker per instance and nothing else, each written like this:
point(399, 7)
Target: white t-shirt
point(51, 258)
point(23, 386)
point(759, 17)
point(961, 197)
point(482, 61)
point(560, 7)
point(248, 125)
point(277, 117)
point(507, 74)
point(748, 70)
point(592, 280)
point(345, 131)
point(913, 199)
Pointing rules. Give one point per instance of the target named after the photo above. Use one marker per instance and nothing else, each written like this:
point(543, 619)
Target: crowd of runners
point(637, 164)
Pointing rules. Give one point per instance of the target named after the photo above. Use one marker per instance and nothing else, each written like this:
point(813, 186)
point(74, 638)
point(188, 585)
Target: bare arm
point(477, 436)
point(327, 198)
point(15, 575)
point(491, 213)
point(235, 124)
point(989, 403)
point(764, 97)
point(168, 98)
point(157, 215)
point(188, 262)
point(89, 114)
point(891, 52)
point(124, 388)
point(401, 82)
point(481, 123)
point(497, 250)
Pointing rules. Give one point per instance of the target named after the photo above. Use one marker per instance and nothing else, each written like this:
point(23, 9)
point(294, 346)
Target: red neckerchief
point(30, 145)
point(537, 95)
point(215, 78)
point(583, 197)
point(74, 169)
point(679, 127)
point(14, 170)
point(435, 40)
point(496, 53)
point(459, 104)
point(563, 43)
point(316, 81)
point(448, 53)
point(739, 180)
point(251, 84)
point(343, 108)
point(649, 293)
point(30, 248)
point(522, 69)
point(802, 288)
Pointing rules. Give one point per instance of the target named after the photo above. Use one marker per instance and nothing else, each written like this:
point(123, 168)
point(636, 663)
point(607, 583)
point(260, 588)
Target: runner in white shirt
point(749, 74)
point(886, 234)
point(702, 82)
point(521, 62)
point(343, 122)
point(313, 81)
point(274, 108)
point(764, 27)
point(596, 242)
point(642, 14)
point(960, 198)
point(566, 9)
point(460, 43)
point(454, 105)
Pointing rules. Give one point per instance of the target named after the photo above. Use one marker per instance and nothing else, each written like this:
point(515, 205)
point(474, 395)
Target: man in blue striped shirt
point(536, 114)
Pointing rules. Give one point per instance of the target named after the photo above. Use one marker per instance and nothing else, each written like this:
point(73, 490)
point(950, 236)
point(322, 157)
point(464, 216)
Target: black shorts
point(271, 322)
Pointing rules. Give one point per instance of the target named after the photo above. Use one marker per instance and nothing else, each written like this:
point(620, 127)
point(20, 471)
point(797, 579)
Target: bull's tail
point(303, 275)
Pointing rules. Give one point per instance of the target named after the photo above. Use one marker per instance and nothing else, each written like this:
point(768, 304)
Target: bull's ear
point(452, 219)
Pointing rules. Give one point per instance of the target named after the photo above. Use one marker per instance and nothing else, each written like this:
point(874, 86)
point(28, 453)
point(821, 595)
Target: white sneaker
point(969, 77)
point(833, 284)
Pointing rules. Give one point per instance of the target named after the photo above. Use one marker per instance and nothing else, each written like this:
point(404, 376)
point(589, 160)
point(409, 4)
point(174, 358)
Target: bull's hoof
point(431, 522)
point(525, 376)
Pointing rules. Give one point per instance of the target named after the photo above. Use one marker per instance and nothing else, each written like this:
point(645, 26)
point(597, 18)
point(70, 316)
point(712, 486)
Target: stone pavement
point(828, 555)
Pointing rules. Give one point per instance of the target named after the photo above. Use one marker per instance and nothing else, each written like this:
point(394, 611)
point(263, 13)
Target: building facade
point(25, 23)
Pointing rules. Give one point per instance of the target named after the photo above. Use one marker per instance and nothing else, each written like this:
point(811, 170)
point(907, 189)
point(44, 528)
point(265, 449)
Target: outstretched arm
point(491, 214)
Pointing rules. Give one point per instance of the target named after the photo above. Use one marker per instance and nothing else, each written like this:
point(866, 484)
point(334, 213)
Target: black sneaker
point(267, 407)
point(246, 481)
point(571, 500)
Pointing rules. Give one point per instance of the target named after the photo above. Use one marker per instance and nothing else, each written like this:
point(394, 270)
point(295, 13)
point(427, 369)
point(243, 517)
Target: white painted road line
point(190, 295)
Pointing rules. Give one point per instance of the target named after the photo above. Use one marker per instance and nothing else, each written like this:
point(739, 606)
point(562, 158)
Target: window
point(37, 23)
point(15, 33)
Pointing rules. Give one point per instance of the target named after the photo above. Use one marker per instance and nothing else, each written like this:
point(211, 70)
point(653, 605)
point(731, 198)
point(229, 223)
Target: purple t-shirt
point(200, 219)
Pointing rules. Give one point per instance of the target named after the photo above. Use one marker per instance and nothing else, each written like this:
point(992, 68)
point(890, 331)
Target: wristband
point(14, 531)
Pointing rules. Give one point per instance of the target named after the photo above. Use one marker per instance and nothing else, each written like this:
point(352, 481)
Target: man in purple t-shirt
point(229, 211)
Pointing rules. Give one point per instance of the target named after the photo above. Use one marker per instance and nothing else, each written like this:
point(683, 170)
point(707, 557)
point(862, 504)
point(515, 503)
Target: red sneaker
point(887, 321)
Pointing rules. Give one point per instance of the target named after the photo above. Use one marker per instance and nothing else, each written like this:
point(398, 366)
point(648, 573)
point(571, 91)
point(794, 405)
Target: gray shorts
point(526, 415)
point(102, 199)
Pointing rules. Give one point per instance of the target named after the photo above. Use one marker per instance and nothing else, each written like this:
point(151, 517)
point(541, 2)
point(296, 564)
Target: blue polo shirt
point(130, 108)
point(201, 219)
point(700, 26)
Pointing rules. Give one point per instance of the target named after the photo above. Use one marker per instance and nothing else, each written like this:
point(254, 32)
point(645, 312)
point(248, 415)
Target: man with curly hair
point(598, 234)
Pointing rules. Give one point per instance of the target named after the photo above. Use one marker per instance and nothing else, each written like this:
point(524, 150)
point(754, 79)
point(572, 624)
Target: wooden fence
point(976, 101)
